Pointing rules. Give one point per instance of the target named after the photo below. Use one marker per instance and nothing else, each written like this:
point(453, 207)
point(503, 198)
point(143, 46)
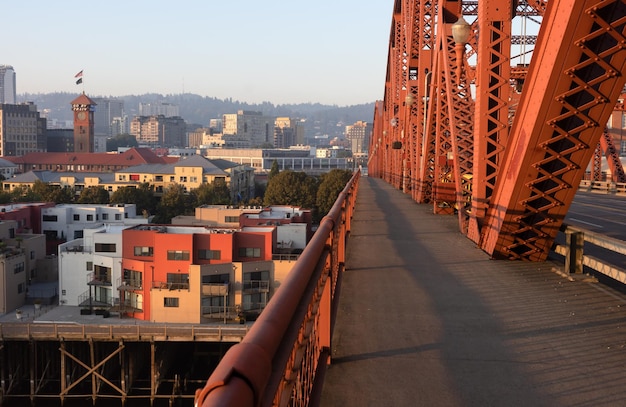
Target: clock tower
point(83, 109)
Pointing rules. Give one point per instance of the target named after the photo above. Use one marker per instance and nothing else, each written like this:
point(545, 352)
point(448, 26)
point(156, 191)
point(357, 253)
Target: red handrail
point(263, 369)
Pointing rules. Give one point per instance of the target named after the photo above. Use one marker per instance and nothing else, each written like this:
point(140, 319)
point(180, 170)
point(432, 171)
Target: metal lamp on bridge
point(461, 31)
point(408, 101)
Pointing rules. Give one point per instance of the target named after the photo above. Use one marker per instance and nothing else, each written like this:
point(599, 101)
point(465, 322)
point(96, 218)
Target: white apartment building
point(90, 267)
point(67, 221)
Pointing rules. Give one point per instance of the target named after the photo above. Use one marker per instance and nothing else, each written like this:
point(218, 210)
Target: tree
point(5, 197)
point(274, 171)
point(331, 184)
point(94, 195)
point(60, 195)
point(43, 192)
point(142, 197)
point(215, 193)
point(174, 202)
point(292, 188)
point(23, 193)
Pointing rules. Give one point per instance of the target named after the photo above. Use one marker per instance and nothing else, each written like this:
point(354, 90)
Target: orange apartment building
point(195, 274)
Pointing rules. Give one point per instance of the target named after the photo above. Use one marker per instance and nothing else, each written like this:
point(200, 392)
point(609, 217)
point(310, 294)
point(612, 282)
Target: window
point(132, 278)
point(12, 233)
point(105, 247)
point(102, 274)
point(105, 216)
point(89, 266)
point(78, 234)
point(249, 252)
point(18, 268)
point(118, 216)
point(216, 279)
point(231, 219)
point(90, 218)
point(143, 251)
point(209, 254)
point(76, 217)
point(158, 178)
point(178, 280)
point(170, 302)
point(178, 255)
point(49, 218)
point(183, 179)
point(172, 179)
point(32, 254)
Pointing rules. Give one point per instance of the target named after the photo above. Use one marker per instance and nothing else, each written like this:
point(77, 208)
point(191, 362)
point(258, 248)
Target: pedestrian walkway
point(427, 319)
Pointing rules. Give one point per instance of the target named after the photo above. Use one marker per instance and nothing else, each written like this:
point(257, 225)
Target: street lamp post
point(408, 101)
point(461, 31)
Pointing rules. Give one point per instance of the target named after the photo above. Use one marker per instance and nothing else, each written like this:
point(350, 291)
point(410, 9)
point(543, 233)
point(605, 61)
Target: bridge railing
point(281, 359)
point(603, 187)
point(573, 251)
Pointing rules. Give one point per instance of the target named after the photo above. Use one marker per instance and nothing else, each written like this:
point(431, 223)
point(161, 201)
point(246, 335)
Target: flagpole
point(79, 75)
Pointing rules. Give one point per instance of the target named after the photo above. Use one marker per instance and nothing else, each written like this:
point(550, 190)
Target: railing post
point(574, 241)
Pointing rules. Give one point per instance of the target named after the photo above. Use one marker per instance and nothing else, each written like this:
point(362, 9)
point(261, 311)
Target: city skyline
point(325, 52)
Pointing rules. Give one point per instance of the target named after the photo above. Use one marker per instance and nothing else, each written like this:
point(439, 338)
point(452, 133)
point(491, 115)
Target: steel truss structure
point(503, 147)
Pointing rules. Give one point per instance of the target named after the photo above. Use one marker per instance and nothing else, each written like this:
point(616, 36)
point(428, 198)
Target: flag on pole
point(79, 81)
point(78, 75)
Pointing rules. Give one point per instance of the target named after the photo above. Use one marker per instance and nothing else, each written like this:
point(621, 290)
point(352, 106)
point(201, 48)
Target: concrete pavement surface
point(427, 319)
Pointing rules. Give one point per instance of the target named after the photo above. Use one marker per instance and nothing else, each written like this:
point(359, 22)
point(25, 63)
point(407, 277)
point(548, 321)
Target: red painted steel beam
point(491, 127)
point(573, 84)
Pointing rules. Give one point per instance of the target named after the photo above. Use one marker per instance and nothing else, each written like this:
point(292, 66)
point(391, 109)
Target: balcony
point(167, 285)
point(75, 249)
point(98, 280)
point(221, 312)
point(256, 286)
point(88, 299)
point(126, 306)
point(129, 284)
point(215, 289)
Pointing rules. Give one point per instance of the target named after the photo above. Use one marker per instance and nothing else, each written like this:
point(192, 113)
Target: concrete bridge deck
point(427, 319)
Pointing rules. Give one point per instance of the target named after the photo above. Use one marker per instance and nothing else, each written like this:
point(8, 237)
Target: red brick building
point(88, 162)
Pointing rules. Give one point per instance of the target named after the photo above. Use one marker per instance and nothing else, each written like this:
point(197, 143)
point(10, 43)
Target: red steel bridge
point(504, 147)
point(462, 127)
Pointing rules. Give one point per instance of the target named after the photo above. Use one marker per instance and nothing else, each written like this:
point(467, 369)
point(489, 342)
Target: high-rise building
point(253, 126)
point(105, 114)
point(284, 132)
point(159, 131)
point(359, 134)
point(159, 108)
point(7, 85)
point(22, 129)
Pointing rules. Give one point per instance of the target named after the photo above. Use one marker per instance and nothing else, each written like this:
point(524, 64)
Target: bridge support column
point(574, 242)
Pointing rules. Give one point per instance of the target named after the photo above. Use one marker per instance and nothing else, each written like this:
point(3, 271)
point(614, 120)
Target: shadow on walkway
point(427, 319)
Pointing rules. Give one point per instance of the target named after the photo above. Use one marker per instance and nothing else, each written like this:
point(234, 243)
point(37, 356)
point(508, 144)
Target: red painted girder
point(573, 84)
point(491, 127)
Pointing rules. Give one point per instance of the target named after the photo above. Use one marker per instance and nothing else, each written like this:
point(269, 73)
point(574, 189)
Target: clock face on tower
point(81, 115)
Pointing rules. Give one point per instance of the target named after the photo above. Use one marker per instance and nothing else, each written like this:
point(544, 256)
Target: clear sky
point(323, 51)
